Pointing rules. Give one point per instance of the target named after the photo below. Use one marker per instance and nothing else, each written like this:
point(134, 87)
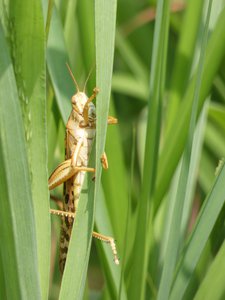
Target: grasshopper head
point(81, 103)
point(78, 102)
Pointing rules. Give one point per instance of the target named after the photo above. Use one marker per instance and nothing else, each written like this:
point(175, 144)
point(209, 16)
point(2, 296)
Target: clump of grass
point(167, 81)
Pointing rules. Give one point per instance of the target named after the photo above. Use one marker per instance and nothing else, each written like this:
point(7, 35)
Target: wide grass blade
point(28, 51)
point(105, 23)
point(19, 257)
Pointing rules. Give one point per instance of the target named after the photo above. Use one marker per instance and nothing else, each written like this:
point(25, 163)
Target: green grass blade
point(54, 125)
point(56, 61)
point(217, 114)
point(18, 235)
point(116, 200)
point(105, 20)
point(73, 283)
point(204, 225)
point(220, 87)
point(2, 282)
point(176, 137)
point(212, 286)
point(214, 136)
point(113, 208)
point(85, 17)
point(74, 277)
point(184, 57)
point(174, 234)
point(71, 34)
point(131, 58)
point(112, 272)
point(105, 24)
point(28, 48)
point(138, 276)
point(194, 167)
point(124, 83)
point(207, 171)
point(188, 202)
point(48, 18)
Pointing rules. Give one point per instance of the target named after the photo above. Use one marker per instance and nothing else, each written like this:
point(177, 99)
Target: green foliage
point(160, 197)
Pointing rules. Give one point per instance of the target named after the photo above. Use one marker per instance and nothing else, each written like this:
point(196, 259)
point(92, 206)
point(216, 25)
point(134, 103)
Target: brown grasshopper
point(80, 132)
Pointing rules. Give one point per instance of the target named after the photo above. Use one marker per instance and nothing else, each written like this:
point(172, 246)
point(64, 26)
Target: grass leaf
point(212, 285)
point(176, 137)
point(137, 282)
point(28, 51)
point(204, 225)
point(18, 233)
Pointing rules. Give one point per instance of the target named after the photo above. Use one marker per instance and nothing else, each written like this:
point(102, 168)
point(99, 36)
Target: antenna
point(89, 74)
point(74, 80)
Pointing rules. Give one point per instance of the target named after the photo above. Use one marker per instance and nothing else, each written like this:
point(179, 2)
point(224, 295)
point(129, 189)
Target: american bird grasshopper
point(80, 132)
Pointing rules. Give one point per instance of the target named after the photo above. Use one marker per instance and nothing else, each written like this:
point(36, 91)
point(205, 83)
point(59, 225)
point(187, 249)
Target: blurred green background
point(160, 67)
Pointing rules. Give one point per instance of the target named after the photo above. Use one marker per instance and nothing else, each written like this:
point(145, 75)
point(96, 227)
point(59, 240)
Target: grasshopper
point(80, 132)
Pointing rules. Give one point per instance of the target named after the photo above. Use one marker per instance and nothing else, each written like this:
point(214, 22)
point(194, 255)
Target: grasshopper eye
point(91, 111)
point(74, 100)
